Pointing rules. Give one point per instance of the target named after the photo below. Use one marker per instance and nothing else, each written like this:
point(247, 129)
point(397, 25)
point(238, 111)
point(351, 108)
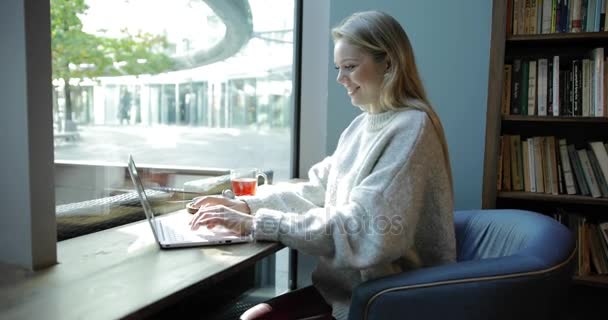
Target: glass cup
point(244, 182)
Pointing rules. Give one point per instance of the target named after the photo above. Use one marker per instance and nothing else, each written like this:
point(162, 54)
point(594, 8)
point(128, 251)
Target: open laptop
point(172, 230)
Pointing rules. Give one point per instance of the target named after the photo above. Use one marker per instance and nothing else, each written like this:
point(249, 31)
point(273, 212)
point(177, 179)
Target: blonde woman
point(381, 204)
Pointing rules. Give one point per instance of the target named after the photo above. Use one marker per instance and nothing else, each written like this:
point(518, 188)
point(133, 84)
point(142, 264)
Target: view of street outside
point(181, 146)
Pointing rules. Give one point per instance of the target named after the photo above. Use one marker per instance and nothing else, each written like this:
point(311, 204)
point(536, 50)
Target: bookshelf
point(578, 130)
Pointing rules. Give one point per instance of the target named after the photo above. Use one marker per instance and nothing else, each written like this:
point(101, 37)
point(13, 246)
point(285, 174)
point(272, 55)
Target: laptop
point(173, 230)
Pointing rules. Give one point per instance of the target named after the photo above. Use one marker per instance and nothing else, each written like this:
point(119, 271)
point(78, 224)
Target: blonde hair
point(383, 37)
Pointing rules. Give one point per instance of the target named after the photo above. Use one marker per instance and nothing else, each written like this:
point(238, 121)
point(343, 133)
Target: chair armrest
point(495, 288)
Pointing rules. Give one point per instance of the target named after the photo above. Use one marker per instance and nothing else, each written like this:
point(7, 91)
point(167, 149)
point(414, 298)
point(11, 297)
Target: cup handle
point(227, 193)
point(263, 175)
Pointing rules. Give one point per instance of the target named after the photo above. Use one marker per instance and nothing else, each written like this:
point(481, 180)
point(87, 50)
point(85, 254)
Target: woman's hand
point(220, 215)
point(238, 205)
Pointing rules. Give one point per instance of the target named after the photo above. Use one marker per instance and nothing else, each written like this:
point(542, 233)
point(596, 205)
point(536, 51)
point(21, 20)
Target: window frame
point(30, 201)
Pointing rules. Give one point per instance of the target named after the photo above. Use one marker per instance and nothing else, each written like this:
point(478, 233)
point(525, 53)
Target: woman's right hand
point(206, 201)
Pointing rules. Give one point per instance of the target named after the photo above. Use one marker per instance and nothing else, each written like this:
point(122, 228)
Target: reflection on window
point(190, 88)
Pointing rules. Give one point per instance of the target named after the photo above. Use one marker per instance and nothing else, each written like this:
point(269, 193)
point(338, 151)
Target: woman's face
point(359, 74)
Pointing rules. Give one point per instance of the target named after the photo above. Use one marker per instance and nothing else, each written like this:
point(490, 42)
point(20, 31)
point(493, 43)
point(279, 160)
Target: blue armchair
point(512, 264)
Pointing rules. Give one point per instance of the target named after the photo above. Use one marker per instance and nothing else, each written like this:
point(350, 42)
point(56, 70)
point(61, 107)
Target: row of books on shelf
point(591, 242)
point(555, 16)
point(546, 164)
point(556, 86)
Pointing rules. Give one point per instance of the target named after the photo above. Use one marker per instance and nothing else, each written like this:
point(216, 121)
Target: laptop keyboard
point(170, 234)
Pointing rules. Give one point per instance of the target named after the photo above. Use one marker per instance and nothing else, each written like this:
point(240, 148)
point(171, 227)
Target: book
point(578, 170)
point(566, 168)
point(542, 88)
point(510, 16)
point(547, 172)
point(506, 90)
point(532, 79)
point(531, 164)
point(584, 98)
point(598, 258)
point(555, 87)
point(506, 163)
point(603, 227)
point(598, 82)
point(552, 163)
point(590, 23)
point(601, 155)
point(526, 165)
point(603, 15)
point(576, 20)
point(594, 188)
point(547, 16)
point(525, 78)
point(577, 87)
point(516, 164)
point(597, 172)
point(516, 84)
point(499, 165)
point(538, 164)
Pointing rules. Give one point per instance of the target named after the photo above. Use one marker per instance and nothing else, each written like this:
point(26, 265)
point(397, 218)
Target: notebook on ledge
point(173, 231)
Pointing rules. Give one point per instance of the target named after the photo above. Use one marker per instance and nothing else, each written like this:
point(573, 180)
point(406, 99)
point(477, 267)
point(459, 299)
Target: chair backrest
point(485, 234)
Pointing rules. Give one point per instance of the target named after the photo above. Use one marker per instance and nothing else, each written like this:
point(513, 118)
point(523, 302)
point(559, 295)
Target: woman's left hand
point(220, 215)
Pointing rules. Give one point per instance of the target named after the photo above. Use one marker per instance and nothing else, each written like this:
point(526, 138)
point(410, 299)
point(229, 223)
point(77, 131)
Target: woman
point(381, 204)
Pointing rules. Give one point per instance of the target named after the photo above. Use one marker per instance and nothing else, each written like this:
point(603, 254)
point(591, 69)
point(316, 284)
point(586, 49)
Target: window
point(189, 88)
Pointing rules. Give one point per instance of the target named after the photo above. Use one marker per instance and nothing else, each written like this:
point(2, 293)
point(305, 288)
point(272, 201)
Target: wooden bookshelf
point(558, 38)
point(577, 130)
point(560, 198)
point(558, 119)
point(595, 280)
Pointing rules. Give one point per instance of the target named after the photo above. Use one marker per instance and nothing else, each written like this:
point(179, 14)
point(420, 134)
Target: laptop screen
point(139, 187)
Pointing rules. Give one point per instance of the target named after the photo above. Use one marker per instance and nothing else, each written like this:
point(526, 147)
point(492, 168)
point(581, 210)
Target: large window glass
point(190, 88)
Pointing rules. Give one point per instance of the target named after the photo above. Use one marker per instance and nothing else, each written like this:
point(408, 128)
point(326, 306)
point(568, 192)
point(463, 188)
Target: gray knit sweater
point(380, 205)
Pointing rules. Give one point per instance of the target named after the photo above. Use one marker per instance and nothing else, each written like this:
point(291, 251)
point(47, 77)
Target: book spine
point(542, 87)
point(506, 90)
point(578, 170)
point(555, 87)
point(526, 165)
point(553, 167)
point(586, 89)
point(510, 17)
point(525, 78)
point(531, 164)
point(566, 168)
point(506, 163)
point(547, 16)
point(588, 173)
point(516, 87)
point(499, 164)
point(603, 17)
point(576, 16)
point(598, 81)
point(516, 164)
point(516, 18)
point(602, 156)
point(532, 87)
point(538, 164)
point(549, 83)
point(597, 172)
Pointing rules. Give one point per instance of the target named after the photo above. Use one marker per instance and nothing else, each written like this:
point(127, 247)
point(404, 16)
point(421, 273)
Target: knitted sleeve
point(294, 197)
point(379, 222)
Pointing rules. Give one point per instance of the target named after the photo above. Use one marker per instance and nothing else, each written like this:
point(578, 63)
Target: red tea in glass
point(245, 181)
point(244, 186)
